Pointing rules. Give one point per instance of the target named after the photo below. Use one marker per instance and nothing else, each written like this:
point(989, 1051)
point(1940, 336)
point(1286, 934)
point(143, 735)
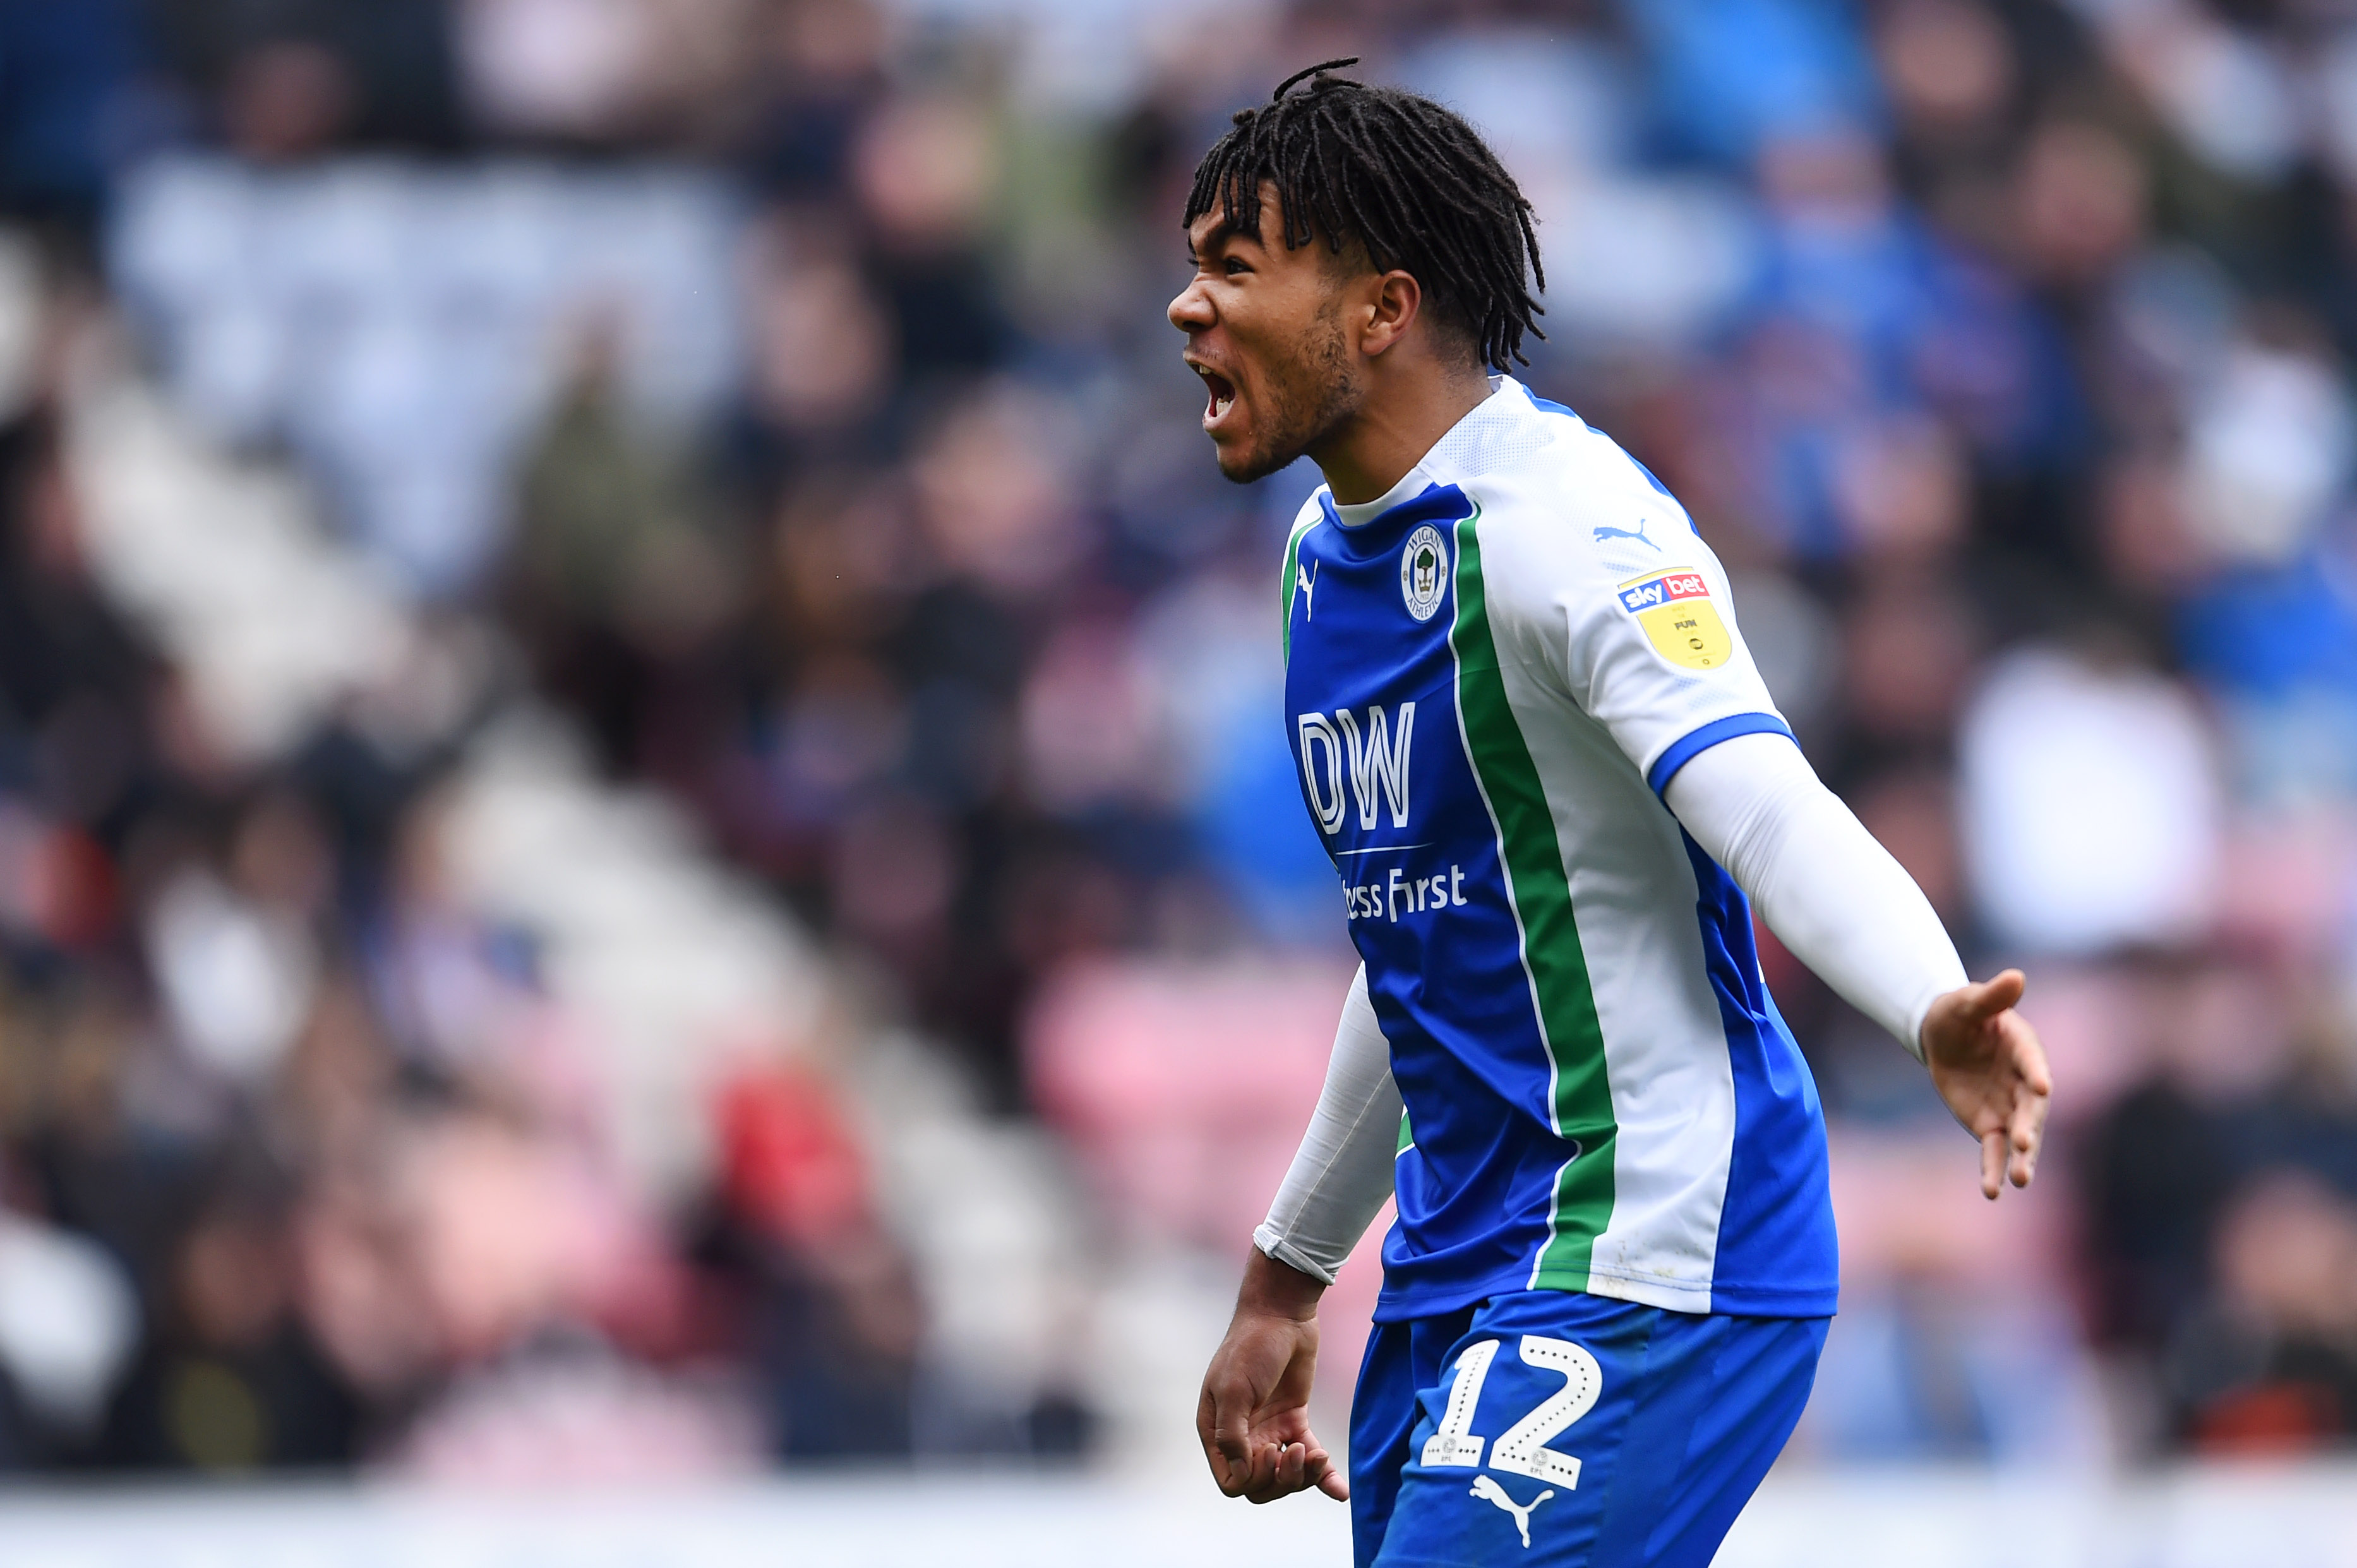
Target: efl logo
point(1676, 610)
point(1650, 593)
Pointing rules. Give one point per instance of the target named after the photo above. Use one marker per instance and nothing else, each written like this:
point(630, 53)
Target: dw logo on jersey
point(1679, 619)
point(1377, 753)
point(1424, 570)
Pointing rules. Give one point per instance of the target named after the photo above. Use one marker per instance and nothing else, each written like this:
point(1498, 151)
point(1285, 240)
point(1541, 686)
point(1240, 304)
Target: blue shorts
point(1560, 1429)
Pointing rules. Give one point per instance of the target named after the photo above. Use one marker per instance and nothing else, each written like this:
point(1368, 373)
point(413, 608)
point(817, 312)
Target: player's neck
point(1407, 409)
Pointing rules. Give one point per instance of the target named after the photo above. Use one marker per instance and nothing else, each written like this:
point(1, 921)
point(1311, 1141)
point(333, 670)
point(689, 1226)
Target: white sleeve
point(1824, 886)
point(1602, 582)
point(1342, 1173)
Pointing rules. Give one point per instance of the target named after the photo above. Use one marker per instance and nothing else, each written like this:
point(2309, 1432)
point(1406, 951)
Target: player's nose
point(1191, 311)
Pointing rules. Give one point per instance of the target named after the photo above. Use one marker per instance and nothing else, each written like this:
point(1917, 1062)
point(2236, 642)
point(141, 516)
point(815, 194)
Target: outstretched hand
point(1254, 1416)
point(1988, 1065)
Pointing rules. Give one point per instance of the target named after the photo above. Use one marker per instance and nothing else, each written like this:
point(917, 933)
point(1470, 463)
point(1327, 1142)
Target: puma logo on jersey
point(1638, 534)
point(1305, 583)
point(1484, 1486)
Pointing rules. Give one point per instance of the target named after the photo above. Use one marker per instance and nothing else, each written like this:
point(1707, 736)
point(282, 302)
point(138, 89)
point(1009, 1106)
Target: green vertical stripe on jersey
point(1284, 595)
point(1580, 1098)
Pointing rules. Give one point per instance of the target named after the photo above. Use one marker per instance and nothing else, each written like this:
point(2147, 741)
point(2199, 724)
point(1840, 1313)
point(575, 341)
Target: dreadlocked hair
point(1398, 174)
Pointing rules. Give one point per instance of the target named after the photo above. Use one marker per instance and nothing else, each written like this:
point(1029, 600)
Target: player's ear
point(1398, 300)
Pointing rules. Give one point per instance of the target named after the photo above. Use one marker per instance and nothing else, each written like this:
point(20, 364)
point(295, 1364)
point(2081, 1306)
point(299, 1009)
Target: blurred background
point(643, 828)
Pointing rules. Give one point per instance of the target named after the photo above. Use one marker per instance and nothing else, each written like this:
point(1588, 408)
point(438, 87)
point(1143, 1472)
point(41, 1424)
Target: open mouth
point(1222, 396)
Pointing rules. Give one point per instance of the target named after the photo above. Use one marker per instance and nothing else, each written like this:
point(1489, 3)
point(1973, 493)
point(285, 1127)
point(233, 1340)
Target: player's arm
point(1252, 1416)
point(1644, 639)
point(1851, 913)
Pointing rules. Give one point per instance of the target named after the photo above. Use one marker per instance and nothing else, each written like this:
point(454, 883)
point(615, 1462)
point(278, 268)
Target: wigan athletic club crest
point(1424, 568)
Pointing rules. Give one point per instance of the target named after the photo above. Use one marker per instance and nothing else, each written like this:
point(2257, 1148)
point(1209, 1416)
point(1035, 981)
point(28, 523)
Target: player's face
point(1264, 330)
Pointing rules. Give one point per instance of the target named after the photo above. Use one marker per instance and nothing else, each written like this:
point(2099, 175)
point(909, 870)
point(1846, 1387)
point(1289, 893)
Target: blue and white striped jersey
point(1492, 675)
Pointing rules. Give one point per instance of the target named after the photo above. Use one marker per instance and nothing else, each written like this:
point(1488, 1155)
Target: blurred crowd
point(774, 396)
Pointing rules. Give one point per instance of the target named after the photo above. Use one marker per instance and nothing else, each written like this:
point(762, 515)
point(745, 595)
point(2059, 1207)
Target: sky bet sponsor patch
point(1676, 610)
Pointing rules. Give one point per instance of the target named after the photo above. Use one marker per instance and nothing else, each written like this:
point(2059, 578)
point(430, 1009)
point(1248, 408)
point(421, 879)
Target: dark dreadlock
point(1400, 175)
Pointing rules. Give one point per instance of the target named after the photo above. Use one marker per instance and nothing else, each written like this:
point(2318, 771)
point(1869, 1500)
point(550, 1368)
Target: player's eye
point(1234, 267)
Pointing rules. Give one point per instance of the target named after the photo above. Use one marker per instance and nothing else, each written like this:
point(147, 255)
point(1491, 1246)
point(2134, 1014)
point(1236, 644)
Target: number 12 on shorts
point(1521, 1449)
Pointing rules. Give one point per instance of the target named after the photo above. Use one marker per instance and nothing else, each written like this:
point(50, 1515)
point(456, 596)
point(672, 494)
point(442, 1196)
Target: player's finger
point(1292, 1461)
point(1230, 1415)
point(1992, 1165)
point(1997, 993)
point(1320, 1471)
point(1297, 1469)
point(2025, 1122)
point(2027, 1129)
point(1245, 1474)
point(1206, 1432)
point(2029, 1058)
point(1268, 1462)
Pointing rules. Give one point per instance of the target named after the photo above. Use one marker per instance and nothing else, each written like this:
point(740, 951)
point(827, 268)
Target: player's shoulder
point(1573, 504)
point(1534, 464)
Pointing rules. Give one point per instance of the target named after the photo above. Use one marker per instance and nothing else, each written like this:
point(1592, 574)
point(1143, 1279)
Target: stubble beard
point(1305, 405)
